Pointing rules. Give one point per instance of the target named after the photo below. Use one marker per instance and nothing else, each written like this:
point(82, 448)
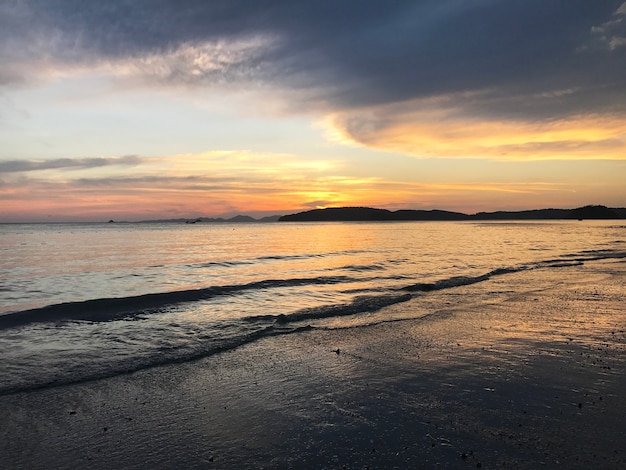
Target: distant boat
point(195, 221)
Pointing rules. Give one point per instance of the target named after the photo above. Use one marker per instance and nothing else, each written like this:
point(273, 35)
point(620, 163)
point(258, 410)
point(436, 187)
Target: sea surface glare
point(84, 301)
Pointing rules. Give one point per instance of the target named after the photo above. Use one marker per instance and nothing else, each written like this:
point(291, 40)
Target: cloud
point(224, 172)
point(612, 33)
point(439, 128)
point(352, 52)
point(174, 186)
point(206, 63)
point(617, 41)
point(485, 125)
point(373, 68)
point(14, 166)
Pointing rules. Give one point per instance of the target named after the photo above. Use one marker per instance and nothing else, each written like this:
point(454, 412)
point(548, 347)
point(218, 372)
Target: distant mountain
point(219, 220)
point(335, 214)
point(270, 218)
point(242, 218)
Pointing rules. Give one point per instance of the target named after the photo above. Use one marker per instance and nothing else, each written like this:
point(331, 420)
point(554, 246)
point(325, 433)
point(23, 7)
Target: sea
point(83, 301)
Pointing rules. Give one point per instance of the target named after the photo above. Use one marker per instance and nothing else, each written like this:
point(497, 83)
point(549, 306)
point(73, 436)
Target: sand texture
point(522, 371)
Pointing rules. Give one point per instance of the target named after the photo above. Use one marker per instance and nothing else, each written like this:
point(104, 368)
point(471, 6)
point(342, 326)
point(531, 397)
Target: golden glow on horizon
point(228, 182)
point(199, 192)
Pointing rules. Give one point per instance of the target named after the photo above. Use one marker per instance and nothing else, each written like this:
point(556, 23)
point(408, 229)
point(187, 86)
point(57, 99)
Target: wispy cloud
point(186, 184)
point(14, 166)
point(215, 63)
point(612, 33)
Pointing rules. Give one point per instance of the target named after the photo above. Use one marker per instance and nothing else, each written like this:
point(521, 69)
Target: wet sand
point(523, 371)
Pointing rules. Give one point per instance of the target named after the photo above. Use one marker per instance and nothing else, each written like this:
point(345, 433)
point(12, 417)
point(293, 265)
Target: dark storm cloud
point(17, 166)
point(353, 53)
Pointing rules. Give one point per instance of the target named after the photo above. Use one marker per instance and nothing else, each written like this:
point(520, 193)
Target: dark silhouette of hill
point(595, 212)
point(586, 212)
point(347, 214)
point(406, 214)
point(621, 212)
point(369, 214)
point(339, 214)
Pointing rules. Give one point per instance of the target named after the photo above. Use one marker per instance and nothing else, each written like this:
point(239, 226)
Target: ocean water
point(85, 301)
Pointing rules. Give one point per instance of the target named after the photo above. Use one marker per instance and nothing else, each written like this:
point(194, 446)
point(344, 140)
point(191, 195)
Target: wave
point(310, 255)
point(304, 256)
point(362, 304)
point(265, 327)
point(109, 309)
point(240, 331)
point(458, 281)
point(175, 357)
point(362, 267)
point(593, 255)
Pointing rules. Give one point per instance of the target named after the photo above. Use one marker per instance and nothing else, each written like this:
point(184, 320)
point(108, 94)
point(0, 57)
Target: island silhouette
point(370, 214)
point(365, 214)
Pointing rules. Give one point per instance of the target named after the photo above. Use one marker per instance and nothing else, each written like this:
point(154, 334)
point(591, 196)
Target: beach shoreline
point(523, 371)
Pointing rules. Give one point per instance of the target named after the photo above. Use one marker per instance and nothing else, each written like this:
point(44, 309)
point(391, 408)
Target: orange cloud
point(434, 128)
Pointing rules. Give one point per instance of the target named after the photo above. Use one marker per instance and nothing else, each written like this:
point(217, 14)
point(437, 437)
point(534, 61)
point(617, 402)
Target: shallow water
point(81, 301)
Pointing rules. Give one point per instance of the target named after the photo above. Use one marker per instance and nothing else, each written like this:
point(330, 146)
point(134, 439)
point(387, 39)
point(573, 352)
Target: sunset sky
point(144, 109)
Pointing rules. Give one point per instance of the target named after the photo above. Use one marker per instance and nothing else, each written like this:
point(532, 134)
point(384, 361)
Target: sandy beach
point(526, 371)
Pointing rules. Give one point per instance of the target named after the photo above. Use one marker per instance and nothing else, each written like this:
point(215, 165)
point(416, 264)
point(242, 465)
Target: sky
point(150, 109)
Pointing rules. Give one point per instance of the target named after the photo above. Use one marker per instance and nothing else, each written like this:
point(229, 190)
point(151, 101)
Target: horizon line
point(229, 219)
